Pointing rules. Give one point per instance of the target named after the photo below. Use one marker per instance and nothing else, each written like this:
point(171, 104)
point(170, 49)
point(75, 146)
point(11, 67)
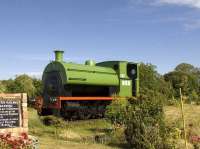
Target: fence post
point(183, 118)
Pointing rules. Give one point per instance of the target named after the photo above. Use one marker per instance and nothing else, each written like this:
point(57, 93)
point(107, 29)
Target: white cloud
point(194, 25)
point(190, 3)
point(189, 20)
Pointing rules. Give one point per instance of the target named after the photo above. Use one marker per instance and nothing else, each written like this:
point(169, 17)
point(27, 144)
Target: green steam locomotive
point(84, 90)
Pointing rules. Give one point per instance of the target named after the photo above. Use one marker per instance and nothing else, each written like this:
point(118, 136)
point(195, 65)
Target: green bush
point(145, 124)
point(142, 120)
point(117, 111)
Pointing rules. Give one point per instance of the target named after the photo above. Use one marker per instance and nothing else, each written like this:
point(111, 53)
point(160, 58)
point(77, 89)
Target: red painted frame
point(84, 98)
point(57, 103)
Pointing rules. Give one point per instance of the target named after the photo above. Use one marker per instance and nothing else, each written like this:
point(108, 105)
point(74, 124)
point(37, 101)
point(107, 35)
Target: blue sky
point(161, 32)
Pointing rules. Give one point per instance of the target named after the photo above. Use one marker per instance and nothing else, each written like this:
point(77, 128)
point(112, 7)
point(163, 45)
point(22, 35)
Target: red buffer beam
point(85, 98)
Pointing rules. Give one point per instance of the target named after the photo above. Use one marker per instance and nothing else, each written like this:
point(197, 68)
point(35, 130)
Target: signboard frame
point(21, 98)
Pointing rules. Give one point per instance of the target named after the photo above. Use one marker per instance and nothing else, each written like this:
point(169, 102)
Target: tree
point(38, 86)
point(8, 84)
point(194, 96)
point(2, 87)
point(178, 80)
point(22, 83)
point(151, 82)
point(185, 67)
point(186, 77)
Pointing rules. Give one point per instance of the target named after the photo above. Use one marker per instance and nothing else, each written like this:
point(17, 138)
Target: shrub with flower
point(7, 141)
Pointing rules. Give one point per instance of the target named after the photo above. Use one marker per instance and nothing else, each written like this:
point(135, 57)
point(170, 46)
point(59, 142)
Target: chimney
point(58, 55)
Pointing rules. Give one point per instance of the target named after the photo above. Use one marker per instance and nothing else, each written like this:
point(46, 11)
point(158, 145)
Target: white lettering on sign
point(9, 114)
point(126, 83)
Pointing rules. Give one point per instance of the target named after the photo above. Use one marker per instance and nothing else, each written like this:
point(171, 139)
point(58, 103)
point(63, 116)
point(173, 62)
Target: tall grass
point(96, 133)
point(192, 119)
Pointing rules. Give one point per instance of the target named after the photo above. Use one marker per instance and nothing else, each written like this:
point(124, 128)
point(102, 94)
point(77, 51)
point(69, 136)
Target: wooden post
point(183, 118)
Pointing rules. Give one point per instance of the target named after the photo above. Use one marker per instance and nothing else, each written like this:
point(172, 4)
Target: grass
point(192, 116)
point(72, 134)
point(81, 134)
point(192, 119)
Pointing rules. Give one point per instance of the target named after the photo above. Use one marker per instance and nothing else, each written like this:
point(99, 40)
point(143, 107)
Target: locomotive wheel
point(85, 111)
point(84, 114)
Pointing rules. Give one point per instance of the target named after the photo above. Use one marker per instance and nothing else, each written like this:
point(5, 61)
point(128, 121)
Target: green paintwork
point(83, 74)
point(124, 88)
point(90, 75)
point(125, 82)
point(109, 73)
